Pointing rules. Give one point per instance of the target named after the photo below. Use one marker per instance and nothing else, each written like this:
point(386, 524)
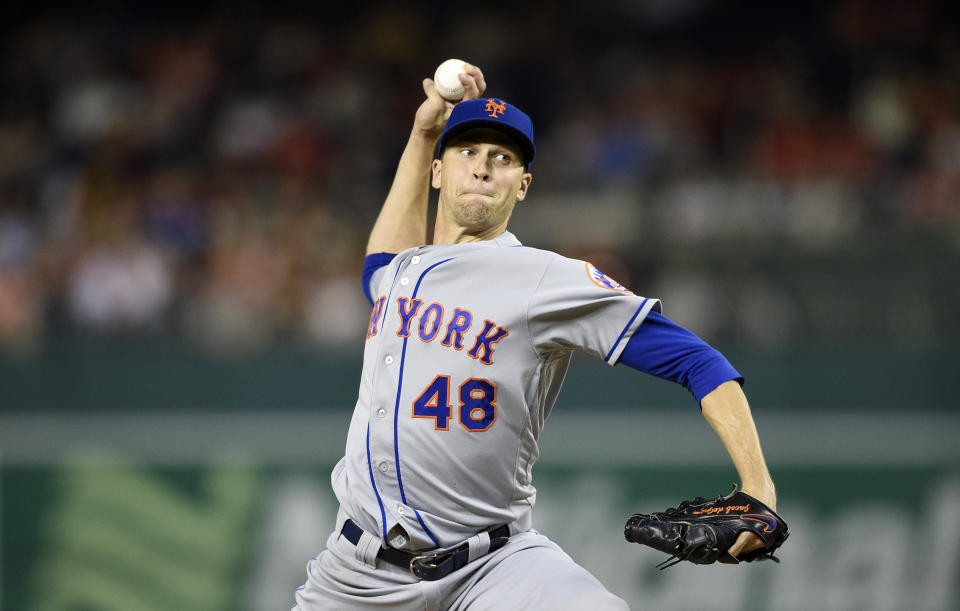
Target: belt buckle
point(423, 559)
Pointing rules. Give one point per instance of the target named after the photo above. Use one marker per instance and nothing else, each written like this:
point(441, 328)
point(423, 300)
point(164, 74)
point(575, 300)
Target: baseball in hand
point(446, 80)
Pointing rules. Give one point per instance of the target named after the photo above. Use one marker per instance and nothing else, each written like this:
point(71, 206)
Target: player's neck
point(444, 233)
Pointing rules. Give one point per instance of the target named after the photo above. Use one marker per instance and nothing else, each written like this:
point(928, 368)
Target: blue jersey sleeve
point(664, 349)
point(371, 263)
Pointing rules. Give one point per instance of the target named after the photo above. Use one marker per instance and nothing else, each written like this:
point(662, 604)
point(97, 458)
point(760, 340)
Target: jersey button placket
point(382, 444)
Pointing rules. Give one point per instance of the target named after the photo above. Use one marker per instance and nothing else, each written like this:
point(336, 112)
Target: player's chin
point(477, 210)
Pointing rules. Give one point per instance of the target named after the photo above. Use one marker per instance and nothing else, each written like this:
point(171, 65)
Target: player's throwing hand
point(434, 112)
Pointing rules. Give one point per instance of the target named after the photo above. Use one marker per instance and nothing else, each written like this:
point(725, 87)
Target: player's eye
point(503, 157)
point(465, 152)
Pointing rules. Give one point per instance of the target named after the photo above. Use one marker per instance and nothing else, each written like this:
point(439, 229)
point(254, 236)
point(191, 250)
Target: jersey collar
point(505, 240)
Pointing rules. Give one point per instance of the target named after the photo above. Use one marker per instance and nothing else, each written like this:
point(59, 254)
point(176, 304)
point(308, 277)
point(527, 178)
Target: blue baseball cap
point(492, 113)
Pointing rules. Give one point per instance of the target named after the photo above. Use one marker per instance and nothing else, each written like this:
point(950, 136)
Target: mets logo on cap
point(603, 281)
point(495, 108)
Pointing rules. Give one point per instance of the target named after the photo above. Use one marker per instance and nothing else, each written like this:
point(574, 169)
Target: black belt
point(428, 566)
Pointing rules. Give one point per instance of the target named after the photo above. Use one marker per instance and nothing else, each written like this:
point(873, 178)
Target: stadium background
point(184, 200)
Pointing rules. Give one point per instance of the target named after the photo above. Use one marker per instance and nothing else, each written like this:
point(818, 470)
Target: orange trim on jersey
point(437, 322)
point(485, 340)
point(491, 402)
point(407, 315)
point(435, 402)
point(592, 268)
point(459, 329)
point(372, 326)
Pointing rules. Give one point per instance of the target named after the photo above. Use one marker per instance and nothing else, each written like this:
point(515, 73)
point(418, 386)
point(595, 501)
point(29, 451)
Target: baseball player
point(468, 342)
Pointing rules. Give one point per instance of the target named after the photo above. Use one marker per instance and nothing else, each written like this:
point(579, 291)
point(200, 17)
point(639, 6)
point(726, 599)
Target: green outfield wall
point(158, 478)
point(221, 510)
point(125, 375)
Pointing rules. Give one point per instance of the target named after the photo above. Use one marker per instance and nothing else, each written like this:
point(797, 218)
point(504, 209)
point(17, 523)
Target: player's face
point(481, 177)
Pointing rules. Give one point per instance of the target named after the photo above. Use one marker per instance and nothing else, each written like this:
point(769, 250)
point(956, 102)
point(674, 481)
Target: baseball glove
point(702, 531)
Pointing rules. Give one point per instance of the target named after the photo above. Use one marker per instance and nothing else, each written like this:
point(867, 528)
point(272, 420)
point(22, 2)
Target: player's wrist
point(427, 134)
point(430, 120)
point(762, 491)
point(420, 150)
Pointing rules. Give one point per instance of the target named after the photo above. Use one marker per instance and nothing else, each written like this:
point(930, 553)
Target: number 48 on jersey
point(478, 408)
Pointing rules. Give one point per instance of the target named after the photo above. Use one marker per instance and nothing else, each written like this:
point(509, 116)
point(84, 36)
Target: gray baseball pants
point(529, 572)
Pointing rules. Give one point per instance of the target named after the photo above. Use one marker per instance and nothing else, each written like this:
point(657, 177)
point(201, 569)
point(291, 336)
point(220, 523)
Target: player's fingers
point(434, 99)
point(430, 89)
point(477, 75)
point(435, 110)
point(472, 87)
point(746, 542)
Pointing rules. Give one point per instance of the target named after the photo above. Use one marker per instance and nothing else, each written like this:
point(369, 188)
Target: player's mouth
point(482, 193)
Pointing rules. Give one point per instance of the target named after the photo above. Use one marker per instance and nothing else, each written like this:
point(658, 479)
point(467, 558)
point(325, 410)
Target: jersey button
point(388, 360)
point(384, 467)
point(404, 281)
point(415, 259)
point(400, 509)
point(381, 413)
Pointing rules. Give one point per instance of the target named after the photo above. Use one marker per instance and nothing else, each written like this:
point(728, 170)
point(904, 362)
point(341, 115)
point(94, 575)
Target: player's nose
point(481, 168)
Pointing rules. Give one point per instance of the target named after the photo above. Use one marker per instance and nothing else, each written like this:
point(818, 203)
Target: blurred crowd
point(213, 178)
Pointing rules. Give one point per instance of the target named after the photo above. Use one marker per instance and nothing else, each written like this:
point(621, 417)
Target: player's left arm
point(728, 412)
point(662, 348)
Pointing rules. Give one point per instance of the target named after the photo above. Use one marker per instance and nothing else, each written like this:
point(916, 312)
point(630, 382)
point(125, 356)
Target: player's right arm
point(402, 222)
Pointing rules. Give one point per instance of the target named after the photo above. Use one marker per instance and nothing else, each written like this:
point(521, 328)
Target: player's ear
point(435, 173)
point(525, 181)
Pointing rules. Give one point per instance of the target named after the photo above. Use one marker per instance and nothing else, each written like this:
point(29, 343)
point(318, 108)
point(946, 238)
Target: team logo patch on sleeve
point(602, 280)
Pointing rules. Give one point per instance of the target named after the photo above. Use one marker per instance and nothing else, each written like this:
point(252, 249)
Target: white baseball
point(446, 80)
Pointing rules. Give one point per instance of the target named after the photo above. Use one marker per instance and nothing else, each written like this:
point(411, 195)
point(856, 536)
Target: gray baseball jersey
point(465, 353)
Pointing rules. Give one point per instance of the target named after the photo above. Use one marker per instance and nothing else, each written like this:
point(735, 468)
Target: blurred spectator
point(20, 290)
point(335, 314)
point(119, 288)
point(214, 178)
